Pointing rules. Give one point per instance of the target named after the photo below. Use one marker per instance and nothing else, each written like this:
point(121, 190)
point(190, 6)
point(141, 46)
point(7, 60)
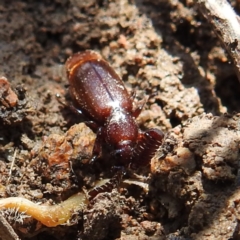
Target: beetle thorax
point(119, 127)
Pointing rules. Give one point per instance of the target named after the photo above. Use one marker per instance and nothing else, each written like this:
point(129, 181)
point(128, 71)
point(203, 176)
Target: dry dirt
point(162, 49)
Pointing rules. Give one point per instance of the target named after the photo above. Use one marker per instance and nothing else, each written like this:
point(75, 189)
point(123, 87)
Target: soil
point(164, 51)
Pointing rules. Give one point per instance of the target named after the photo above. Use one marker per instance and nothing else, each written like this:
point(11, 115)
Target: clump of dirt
point(165, 52)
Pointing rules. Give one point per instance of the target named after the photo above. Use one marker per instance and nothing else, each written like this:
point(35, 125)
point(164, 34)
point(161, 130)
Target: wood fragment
point(6, 231)
point(226, 25)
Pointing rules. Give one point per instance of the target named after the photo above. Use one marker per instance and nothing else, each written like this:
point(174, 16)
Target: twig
point(12, 164)
point(226, 24)
point(6, 231)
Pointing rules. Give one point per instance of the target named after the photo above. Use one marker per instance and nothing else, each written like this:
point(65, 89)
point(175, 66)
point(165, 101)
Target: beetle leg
point(76, 111)
point(120, 170)
point(69, 106)
point(139, 108)
point(132, 95)
point(147, 145)
point(92, 125)
point(97, 149)
point(141, 104)
point(108, 186)
point(61, 100)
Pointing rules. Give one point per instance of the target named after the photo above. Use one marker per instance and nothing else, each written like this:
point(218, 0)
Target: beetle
point(99, 94)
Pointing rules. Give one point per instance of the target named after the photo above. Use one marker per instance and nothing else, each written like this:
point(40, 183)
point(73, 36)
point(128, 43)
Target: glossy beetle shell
point(99, 93)
point(95, 87)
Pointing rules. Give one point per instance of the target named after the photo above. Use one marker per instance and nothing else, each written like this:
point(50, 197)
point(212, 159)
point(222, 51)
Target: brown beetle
point(100, 95)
